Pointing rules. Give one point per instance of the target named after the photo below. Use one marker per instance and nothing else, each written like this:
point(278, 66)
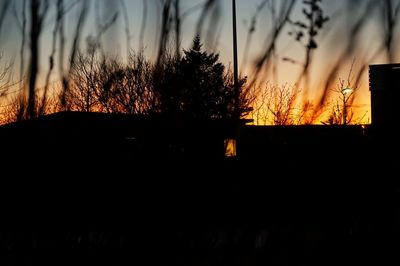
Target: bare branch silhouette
point(165, 29)
point(251, 30)
point(390, 19)
point(22, 50)
point(351, 39)
point(59, 17)
point(6, 82)
point(84, 80)
point(315, 21)
point(192, 9)
point(101, 27)
point(61, 37)
point(173, 15)
point(285, 10)
point(278, 105)
point(38, 10)
point(178, 21)
point(4, 5)
point(127, 27)
point(211, 11)
point(131, 87)
point(342, 112)
point(74, 49)
point(22, 27)
point(143, 25)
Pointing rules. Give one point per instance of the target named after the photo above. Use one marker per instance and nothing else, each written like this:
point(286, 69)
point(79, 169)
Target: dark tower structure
point(384, 83)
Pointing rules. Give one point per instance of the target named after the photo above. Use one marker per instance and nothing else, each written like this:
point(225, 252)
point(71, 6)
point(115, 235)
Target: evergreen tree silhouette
point(202, 83)
point(197, 86)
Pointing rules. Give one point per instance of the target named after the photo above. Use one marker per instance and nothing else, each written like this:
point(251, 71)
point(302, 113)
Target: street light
point(345, 92)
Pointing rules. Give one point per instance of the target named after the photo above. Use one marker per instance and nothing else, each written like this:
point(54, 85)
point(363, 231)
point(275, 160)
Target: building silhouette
point(141, 186)
point(161, 189)
point(384, 82)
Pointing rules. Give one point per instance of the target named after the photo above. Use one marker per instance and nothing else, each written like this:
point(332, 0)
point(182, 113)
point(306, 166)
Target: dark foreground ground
point(232, 212)
point(289, 201)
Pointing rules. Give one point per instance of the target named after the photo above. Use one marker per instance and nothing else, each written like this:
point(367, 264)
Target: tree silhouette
point(86, 77)
point(165, 85)
point(198, 86)
point(279, 105)
point(202, 82)
point(341, 111)
point(129, 88)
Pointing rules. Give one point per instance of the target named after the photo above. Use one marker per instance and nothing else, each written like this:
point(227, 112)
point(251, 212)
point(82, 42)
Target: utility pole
point(235, 65)
point(236, 111)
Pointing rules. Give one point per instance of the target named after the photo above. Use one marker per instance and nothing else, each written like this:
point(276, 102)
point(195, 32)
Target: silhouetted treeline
point(196, 86)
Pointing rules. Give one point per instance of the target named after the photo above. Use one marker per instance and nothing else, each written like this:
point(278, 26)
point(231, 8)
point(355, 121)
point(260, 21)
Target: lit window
point(230, 147)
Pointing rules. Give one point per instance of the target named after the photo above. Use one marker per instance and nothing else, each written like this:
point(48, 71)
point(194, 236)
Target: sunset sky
point(333, 39)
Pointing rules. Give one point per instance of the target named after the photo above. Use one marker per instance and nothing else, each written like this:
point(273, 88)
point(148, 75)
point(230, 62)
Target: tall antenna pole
point(235, 64)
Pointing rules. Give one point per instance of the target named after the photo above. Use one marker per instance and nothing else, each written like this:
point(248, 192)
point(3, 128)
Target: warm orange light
point(230, 148)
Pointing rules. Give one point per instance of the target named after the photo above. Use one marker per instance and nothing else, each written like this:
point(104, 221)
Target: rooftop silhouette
point(162, 184)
